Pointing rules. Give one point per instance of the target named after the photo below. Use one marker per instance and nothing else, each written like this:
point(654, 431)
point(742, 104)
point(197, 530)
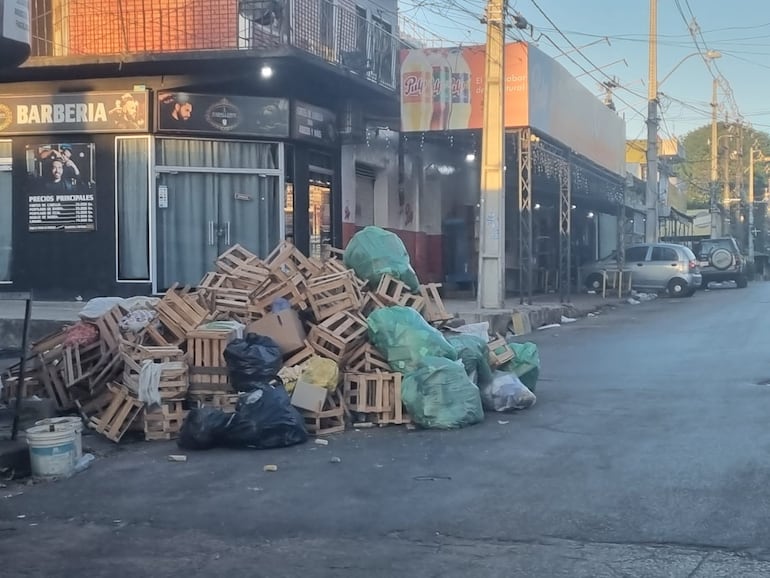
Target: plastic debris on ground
point(565, 319)
point(439, 395)
point(506, 393)
point(403, 336)
point(525, 364)
point(374, 252)
point(252, 359)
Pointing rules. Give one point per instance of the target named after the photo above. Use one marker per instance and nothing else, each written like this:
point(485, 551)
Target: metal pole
point(491, 291)
point(21, 385)
point(714, 160)
point(651, 226)
point(752, 152)
point(565, 230)
point(525, 215)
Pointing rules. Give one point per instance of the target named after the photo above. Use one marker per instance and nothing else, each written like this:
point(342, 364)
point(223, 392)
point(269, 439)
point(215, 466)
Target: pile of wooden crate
point(101, 380)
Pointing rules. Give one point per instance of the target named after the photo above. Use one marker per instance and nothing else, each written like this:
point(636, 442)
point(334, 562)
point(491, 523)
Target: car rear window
point(714, 244)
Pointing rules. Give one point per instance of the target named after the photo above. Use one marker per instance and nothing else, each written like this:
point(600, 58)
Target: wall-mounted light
point(537, 206)
point(574, 207)
point(470, 157)
point(591, 214)
point(266, 71)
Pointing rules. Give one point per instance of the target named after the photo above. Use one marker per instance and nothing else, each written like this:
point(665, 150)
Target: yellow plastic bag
point(320, 372)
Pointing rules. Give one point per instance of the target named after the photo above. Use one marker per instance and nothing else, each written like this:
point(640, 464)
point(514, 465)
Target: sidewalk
point(545, 309)
point(47, 317)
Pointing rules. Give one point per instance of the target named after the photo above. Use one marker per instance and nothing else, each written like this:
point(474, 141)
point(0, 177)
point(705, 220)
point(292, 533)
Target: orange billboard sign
point(443, 88)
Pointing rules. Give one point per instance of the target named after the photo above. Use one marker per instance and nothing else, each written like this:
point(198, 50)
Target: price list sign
point(62, 212)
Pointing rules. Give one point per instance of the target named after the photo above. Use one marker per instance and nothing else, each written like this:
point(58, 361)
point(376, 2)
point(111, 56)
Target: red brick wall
point(134, 26)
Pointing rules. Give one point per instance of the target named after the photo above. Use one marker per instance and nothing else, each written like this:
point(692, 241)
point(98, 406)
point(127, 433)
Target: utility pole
point(714, 210)
point(651, 228)
point(491, 287)
point(752, 153)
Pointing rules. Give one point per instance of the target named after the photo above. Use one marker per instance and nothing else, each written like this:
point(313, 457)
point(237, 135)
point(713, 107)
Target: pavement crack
point(699, 565)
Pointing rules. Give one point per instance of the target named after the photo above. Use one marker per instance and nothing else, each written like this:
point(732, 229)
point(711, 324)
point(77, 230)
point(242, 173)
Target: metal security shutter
point(365, 179)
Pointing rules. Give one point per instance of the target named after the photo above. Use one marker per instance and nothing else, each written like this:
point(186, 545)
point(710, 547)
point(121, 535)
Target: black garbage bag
point(203, 428)
point(265, 419)
point(253, 359)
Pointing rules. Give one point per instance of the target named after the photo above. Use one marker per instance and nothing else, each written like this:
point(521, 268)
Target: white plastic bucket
point(67, 422)
point(51, 453)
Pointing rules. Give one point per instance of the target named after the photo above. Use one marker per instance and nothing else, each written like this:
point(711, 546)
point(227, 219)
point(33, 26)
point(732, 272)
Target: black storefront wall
point(64, 263)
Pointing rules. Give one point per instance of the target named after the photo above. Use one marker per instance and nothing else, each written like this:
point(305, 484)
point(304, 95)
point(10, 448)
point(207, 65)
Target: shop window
point(132, 188)
point(6, 212)
point(206, 154)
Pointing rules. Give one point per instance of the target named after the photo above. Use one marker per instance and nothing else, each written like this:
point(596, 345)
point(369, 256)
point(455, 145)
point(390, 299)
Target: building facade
point(144, 138)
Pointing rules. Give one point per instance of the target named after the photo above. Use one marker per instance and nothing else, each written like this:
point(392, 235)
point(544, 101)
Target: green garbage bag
point(403, 337)
point(473, 351)
point(374, 252)
point(526, 364)
point(439, 395)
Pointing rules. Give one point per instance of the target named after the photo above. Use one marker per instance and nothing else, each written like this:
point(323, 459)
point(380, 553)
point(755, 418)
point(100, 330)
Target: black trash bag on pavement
point(203, 428)
point(253, 359)
point(265, 419)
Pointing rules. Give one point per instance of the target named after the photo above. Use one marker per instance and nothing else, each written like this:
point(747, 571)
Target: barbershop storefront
point(129, 192)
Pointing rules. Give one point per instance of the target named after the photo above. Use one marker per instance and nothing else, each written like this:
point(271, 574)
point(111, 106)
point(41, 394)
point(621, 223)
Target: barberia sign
point(87, 112)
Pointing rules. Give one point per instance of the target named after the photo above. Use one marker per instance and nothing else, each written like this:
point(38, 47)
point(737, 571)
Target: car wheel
point(677, 288)
point(594, 282)
point(742, 282)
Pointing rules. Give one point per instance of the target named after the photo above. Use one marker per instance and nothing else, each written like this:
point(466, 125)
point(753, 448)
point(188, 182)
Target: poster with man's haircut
point(61, 191)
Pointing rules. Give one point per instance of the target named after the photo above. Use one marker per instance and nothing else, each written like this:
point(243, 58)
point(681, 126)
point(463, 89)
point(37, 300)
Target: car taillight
point(693, 264)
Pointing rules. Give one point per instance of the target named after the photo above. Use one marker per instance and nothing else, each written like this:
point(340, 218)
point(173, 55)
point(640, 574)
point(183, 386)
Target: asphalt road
point(646, 455)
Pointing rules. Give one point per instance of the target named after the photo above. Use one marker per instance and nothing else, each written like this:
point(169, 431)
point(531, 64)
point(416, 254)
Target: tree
point(695, 171)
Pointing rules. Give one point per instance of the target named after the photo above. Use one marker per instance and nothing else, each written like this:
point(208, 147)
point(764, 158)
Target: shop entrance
point(320, 212)
point(201, 211)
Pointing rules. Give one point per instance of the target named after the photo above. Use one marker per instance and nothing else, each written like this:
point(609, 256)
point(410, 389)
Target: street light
point(710, 55)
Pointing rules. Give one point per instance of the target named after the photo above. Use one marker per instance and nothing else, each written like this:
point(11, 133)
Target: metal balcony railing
point(98, 28)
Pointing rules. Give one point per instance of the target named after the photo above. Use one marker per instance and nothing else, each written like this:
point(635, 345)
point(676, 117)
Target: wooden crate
point(286, 261)
point(301, 356)
point(109, 329)
point(164, 422)
point(330, 420)
point(500, 352)
point(180, 311)
point(366, 359)
point(378, 394)
point(174, 381)
point(391, 291)
point(224, 401)
point(433, 308)
point(294, 290)
point(337, 337)
point(332, 294)
point(245, 269)
point(370, 302)
point(115, 419)
point(205, 356)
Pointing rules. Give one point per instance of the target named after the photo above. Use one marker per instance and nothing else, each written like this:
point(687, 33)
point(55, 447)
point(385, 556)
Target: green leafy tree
point(695, 171)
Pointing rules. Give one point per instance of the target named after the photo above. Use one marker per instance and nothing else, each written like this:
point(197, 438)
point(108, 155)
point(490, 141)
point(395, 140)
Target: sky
point(738, 30)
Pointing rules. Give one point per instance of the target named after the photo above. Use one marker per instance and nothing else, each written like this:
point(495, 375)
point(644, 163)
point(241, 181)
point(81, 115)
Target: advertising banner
point(60, 188)
point(233, 115)
point(443, 88)
point(562, 108)
point(83, 112)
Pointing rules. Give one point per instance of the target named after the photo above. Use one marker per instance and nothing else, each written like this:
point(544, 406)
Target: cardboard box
point(285, 327)
point(309, 397)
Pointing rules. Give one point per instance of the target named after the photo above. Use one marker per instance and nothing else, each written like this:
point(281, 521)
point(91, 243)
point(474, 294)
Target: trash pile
point(264, 352)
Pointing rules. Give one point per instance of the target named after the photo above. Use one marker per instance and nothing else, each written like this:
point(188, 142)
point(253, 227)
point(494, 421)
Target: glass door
point(320, 215)
point(201, 215)
point(187, 218)
point(247, 213)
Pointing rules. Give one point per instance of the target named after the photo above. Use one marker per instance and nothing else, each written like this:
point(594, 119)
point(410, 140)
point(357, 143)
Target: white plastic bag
point(97, 307)
point(506, 393)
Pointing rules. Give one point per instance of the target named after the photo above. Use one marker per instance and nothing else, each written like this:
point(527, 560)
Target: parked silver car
point(653, 267)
